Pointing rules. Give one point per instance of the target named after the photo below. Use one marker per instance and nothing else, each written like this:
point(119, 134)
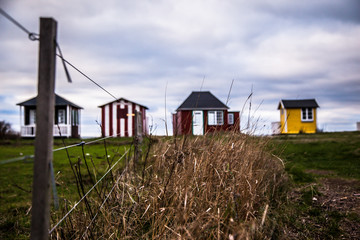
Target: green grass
point(336, 152)
point(16, 178)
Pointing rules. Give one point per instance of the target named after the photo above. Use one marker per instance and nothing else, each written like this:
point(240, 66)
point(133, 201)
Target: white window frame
point(215, 118)
point(230, 118)
point(305, 114)
point(62, 119)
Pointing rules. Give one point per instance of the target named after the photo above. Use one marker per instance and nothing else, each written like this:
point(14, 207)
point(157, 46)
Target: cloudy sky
point(278, 49)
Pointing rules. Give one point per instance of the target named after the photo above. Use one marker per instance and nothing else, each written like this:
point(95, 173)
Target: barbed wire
point(87, 193)
point(32, 36)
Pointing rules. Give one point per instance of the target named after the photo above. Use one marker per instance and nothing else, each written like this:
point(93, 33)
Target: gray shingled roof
point(202, 100)
point(59, 101)
point(299, 103)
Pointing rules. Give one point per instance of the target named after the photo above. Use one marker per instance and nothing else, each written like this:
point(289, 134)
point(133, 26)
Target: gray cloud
point(316, 11)
point(282, 49)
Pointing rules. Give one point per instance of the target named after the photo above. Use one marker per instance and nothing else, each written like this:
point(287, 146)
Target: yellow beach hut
point(298, 116)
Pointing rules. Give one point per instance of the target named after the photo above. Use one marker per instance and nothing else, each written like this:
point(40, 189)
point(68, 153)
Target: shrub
point(6, 131)
point(218, 186)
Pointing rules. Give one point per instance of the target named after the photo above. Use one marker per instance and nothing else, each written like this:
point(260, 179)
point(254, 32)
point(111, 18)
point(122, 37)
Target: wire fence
point(87, 193)
point(84, 169)
point(82, 173)
point(29, 158)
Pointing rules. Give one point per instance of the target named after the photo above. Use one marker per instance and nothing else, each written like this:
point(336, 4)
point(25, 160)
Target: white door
point(198, 123)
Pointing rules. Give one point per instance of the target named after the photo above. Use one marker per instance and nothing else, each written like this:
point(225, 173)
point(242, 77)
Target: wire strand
point(63, 62)
point(77, 203)
point(16, 159)
point(103, 203)
point(24, 158)
point(32, 36)
point(85, 143)
point(86, 76)
point(100, 139)
point(70, 146)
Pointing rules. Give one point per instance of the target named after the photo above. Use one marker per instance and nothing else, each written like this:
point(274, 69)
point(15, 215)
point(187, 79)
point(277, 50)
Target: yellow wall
point(290, 120)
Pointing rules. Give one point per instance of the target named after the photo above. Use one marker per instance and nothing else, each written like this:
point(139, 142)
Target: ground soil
point(342, 195)
point(339, 195)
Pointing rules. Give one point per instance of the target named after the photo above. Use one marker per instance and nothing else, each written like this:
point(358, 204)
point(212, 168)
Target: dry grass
point(209, 187)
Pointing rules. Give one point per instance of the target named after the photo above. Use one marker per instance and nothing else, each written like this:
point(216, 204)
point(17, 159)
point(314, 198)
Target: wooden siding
point(182, 123)
point(103, 120)
point(118, 120)
point(111, 119)
point(236, 126)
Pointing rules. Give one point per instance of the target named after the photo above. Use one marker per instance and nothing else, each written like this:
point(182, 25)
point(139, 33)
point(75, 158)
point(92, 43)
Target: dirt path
point(343, 196)
point(338, 199)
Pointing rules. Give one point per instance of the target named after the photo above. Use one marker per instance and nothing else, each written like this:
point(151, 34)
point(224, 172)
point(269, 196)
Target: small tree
point(6, 131)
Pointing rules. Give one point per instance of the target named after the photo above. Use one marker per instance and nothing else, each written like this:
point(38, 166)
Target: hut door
point(198, 123)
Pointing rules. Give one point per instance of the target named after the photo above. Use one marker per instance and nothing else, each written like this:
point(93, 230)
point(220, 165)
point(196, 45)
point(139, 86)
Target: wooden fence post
point(44, 130)
point(136, 140)
point(138, 132)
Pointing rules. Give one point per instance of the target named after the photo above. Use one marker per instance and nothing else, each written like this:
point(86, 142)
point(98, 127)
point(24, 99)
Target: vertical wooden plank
point(133, 131)
point(110, 119)
point(44, 131)
point(126, 121)
point(136, 138)
point(143, 121)
point(118, 120)
point(103, 126)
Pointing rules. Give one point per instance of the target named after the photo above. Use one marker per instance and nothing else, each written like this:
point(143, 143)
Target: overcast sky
point(136, 49)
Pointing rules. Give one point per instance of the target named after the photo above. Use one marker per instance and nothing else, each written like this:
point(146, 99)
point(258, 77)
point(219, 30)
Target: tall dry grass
point(221, 186)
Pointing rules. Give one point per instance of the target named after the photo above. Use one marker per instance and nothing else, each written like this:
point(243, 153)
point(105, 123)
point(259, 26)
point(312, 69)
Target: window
point(211, 118)
point(219, 118)
point(61, 116)
point(231, 118)
point(215, 118)
point(75, 117)
point(32, 116)
point(306, 114)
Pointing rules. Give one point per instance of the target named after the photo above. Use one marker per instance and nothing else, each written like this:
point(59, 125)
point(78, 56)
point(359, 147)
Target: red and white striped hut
point(118, 118)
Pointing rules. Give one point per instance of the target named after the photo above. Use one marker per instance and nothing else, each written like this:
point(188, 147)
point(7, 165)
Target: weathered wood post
point(138, 131)
point(44, 130)
point(136, 140)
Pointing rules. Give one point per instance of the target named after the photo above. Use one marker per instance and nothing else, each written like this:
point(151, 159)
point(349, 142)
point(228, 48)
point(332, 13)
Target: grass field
point(16, 177)
point(336, 152)
point(321, 202)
